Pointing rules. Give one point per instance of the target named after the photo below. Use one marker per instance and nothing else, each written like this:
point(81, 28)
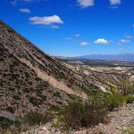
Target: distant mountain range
point(121, 57)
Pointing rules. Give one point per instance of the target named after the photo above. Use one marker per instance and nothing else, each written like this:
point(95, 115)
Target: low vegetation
point(31, 119)
point(94, 111)
point(76, 114)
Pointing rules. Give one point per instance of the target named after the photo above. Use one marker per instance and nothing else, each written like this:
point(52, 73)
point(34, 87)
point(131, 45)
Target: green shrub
point(11, 89)
point(47, 117)
point(78, 114)
point(16, 97)
point(54, 108)
point(27, 75)
point(129, 99)
point(5, 123)
point(33, 118)
point(112, 101)
point(57, 94)
point(34, 101)
point(10, 109)
point(131, 131)
point(26, 90)
point(37, 79)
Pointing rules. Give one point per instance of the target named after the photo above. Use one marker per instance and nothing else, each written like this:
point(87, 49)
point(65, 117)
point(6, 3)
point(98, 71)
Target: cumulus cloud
point(84, 43)
point(85, 3)
point(24, 10)
point(46, 20)
point(77, 35)
point(124, 41)
point(101, 41)
point(115, 2)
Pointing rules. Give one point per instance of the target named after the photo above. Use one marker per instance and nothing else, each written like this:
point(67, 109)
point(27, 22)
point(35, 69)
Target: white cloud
point(13, 2)
point(133, 25)
point(115, 2)
point(85, 3)
point(46, 20)
point(54, 27)
point(101, 41)
point(84, 43)
point(124, 41)
point(24, 10)
point(77, 35)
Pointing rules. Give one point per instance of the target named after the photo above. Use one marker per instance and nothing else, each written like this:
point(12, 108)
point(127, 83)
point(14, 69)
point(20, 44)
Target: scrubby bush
point(5, 123)
point(10, 109)
point(34, 101)
point(33, 118)
point(27, 75)
point(47, 117)
point(16, 97)
point(78, 114)
point(129, 99)
point(131, 131)
point(112, 101)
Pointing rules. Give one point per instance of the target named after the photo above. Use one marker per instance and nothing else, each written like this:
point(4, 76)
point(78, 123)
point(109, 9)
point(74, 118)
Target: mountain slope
point(121, 57)
point(33, 80)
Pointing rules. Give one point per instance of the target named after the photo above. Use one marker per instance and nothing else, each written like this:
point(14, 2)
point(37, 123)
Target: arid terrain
point(33, 80)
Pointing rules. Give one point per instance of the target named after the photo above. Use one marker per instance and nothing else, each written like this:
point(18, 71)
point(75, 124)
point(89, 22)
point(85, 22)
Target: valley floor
point(121, 119)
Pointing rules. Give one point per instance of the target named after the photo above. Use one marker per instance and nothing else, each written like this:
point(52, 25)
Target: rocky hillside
point(33, 80)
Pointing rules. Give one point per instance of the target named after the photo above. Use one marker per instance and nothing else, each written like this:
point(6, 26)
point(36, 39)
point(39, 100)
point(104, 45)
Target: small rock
point(118, 128)
point(44, 129)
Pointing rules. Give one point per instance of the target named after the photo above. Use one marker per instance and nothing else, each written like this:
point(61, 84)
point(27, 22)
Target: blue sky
point(73, 27)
